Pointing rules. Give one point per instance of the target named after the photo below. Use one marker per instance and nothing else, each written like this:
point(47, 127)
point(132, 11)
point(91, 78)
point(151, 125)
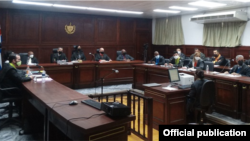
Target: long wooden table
point(78, 122)
point(88, 73)
point(231, 98)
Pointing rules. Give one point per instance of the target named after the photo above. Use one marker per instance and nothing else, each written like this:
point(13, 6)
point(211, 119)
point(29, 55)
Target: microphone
point(93, 56)
point(225, 65)
point(115, 71)
point(39, 66)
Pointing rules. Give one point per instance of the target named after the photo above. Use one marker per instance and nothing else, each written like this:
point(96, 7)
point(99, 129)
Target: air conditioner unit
point(232, 16)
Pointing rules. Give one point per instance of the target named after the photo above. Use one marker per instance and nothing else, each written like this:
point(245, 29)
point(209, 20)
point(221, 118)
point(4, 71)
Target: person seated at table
point(59, 55)
point(240, 68)
point(203, 57)
point(101, 56)
point(124, 56)
point(193, 97)
point(9, 76)
point(29, 59)
point(218, 59)
point(78, 54)
point(158, 59)
point(196, 62)
point(180, 53)
point(6, 56)
point(176, 60)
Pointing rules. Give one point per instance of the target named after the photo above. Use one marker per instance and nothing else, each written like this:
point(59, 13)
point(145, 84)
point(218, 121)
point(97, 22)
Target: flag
point(0, 48)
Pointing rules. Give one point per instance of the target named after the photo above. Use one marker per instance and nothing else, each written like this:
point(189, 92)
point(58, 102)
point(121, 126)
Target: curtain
point(223, 34)
point(169, 31)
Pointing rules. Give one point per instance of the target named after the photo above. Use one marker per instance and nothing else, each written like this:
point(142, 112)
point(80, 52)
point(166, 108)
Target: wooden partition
point(40, 32)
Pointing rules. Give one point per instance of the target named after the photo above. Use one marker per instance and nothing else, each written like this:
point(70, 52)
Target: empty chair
point(23, 56)
point(118, 53)
point(53, 52)
point(187, 62)
point(228, 62)
point(167, 60)
point(208, 59)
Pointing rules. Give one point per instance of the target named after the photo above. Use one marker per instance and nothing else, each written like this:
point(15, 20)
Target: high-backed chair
point(187, 62)
point(228, 62)
point(207, 97)
point(23, 57)
point(167, 60)
point(118, 53)
point(74, 48)
point(51, 56)
point(9, 99)
point(207, 59)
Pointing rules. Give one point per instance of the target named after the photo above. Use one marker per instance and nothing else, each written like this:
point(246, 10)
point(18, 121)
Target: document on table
point(169, 88)
point(151, 84)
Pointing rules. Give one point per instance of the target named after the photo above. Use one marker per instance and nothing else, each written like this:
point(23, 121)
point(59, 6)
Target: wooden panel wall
point(230, 53)
point(40, 32)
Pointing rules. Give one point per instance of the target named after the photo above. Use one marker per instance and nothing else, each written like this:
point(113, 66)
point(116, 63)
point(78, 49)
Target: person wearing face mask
point(196, 62)
point(176, 60)
point(158, 59)
point(240, 68)
point(30, 59)
point(59, 55)
point(180, 53)
point(193, 97)
point(101, 56)
point(124, 56)
point(78, 54)
point(203, 57)
point(218, 59)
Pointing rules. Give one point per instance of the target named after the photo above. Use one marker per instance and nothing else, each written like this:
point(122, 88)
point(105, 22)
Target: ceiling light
point(32, 3)
point(129, 12)
point(101, 9)
point(207, 4)
point(183, 8)
point(68, 6)
point(243, 0)
point(166, 11)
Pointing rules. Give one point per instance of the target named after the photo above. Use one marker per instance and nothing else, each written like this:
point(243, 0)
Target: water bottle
point(207, 69)
point(43, 76)
point(27, 71)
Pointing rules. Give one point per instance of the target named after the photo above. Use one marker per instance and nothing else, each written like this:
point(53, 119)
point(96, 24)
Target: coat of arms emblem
point(70, 29)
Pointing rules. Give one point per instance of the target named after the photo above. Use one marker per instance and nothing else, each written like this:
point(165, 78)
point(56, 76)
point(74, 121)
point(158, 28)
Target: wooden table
point(88, 73)
point(52, 100)
point(228, 89)
point(168, 105)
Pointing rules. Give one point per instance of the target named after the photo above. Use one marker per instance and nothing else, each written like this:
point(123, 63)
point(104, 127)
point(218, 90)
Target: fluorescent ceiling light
point(207, 4)
point(183, 8)
point(129, 12)
point(101, 9)
point(68, 6)
point(32, 3)
point(166, 11)
point(214, 14)
point(243, 0)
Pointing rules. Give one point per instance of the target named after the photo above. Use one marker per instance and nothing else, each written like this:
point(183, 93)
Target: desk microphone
point(225, 65)
point(39, 66)
point(92, 55)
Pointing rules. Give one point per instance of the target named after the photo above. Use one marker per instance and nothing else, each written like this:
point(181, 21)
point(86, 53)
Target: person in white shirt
point(30, 59)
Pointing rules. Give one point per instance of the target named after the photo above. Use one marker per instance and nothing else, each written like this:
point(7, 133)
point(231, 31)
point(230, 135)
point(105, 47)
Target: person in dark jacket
point(197, 62)
point(203, 57)
point(241, 68)
point(193, 97)
point(29, 59)
point(124, 56)
point(59, 55)
point(78, 54)
point(218, 59)
point(176, 61)
point(9, 76)
point(101, 56)
point(158, 59)
point(181, 54)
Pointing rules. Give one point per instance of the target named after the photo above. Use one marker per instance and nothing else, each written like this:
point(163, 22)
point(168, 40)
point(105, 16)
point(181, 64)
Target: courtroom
point(120, 70)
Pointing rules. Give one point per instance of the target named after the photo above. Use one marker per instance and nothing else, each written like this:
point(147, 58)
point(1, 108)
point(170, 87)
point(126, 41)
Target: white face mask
point(176, 57)
point(31, 56)
point(179, 52)
point(197, 58)
point(158, 56)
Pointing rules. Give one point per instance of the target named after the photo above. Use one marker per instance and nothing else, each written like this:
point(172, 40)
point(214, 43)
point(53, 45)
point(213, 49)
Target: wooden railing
point(141, 107)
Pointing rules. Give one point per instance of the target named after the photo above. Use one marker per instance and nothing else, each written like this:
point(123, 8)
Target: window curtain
point(223, 34)
point(169, 31)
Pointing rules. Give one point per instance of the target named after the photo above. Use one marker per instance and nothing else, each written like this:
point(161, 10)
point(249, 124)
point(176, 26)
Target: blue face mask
point(158, 56)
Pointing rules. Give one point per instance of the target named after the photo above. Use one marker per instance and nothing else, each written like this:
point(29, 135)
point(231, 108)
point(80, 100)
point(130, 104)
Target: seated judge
point(218, 59)
point(240, 68)
point(78, 54)
point(158, 59)
point(203, 57)
point(176, 61)
point(197, 62)
point(30, 59)
point(193, 98)
point(59, 55)
point(124, 56)
point(101, 56)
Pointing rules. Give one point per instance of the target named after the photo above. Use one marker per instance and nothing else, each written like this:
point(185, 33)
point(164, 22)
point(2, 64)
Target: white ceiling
point(146, 6)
